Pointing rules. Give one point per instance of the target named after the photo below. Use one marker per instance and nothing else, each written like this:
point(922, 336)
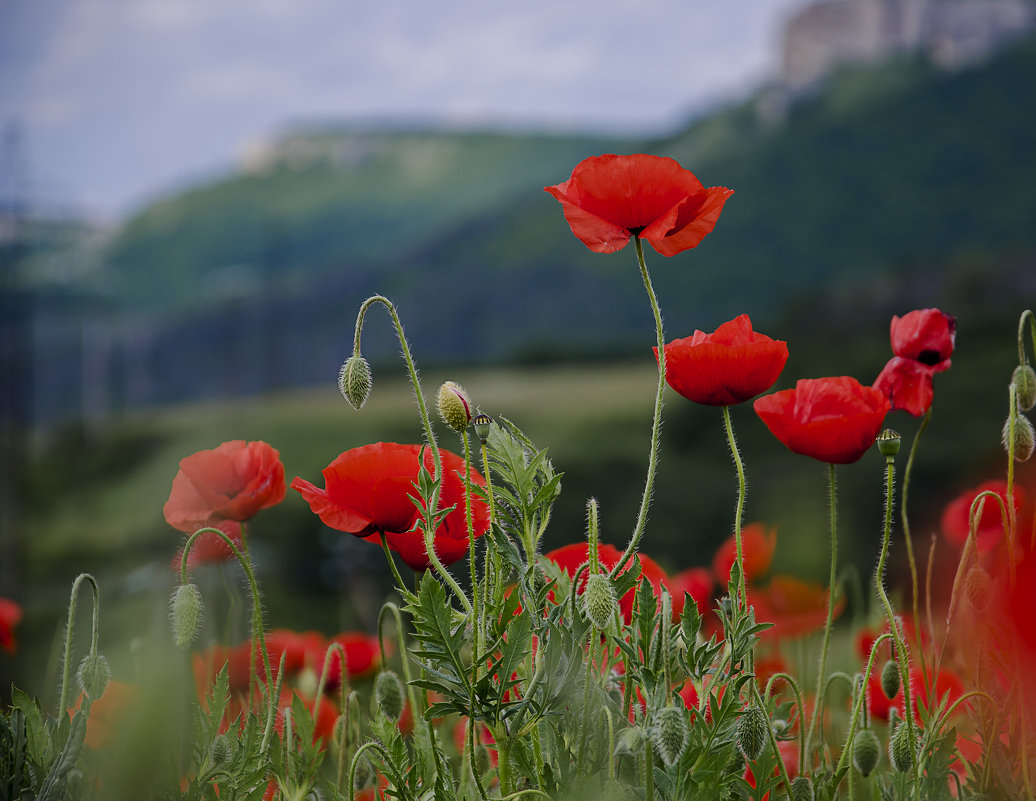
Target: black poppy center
point(929, 357)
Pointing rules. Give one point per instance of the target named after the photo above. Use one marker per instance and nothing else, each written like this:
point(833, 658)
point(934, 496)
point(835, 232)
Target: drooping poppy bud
point(355, 381)
point(890, 679)
point(750, 732)
point(670, 734)
point(388, 694)
point(93, 675)
point(866, 751)
point(978, 587)
point(454, 406)
point(1024, 380)
point(185, 613)
point(599, 602)
point(1023, 439)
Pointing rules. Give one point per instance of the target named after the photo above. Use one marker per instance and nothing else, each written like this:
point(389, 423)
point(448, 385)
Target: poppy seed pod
point(388, 694)
point(890, 679)
point(454, 406)
point(901, 748)
point(750, 732)
point(599, 602)
point(670, 734)
point(888, 443)
point(482, 423)
point(1024, 380)
point(355, 381)
point(93, 675)
point(866, 751)
point(185, 613)
point(802, 789)
point(1023, 440)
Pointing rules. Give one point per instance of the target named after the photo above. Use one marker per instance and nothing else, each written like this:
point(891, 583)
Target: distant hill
point(893, 176)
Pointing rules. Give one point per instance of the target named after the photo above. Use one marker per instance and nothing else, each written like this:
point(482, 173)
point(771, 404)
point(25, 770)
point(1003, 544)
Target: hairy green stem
point(860, 701)
point(879, 581)
point(656, 421)
point(66, 665)
point(833, 507)
point(904, 517)
point(740, 504)
point(802, 714)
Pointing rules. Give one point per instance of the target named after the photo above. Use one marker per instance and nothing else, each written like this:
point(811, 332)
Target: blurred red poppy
point(610, 198)
point(107, 713)
point(231, 482)
point(831, 419)
point(571, 557)
point(789, 750)
point(927, 691)
point(696, 582)
point(795, 607)
point(727, 367)
point(926, 336)
point(757, 546)
point(362, 658)
point(370, 491)
point(955, 517)
point(10, 615)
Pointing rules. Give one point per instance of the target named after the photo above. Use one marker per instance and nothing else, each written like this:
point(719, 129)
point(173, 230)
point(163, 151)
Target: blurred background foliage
point(224, 311)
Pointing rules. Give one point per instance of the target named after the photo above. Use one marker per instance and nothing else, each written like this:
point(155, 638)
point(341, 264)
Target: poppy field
point(502, 668)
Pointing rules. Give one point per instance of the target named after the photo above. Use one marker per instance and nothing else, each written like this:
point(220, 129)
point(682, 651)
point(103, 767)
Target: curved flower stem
point(334, 648)
point(772, 739)
point(860, 700)
point(879, 582)
point(656, 421)
point(740, 503)
point(1012, 421)
point(258, 633)
point(401, 643)
point(833, 507)
point(367, 746)
point(802, 712)
point(400, 584)
point(66, 664)
point(904, 517)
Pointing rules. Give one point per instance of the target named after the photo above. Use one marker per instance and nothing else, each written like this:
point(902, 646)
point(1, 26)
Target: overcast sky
point(120, 100)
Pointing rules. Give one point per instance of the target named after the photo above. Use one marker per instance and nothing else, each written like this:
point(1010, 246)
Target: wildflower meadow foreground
point(498, 670)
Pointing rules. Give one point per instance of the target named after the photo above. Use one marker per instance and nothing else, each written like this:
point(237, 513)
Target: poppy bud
point(630, 741)
point(185, 612)
point(599, 601)
point(454, 406)
point(93, 675)
point(802, 789)
point(355, 381)
point(219, 751)
point(1024, 438)
point(1024, 380)
point(750, 732)
point(388, 694)
point(866, 751)
point(978, 586)
point(901, 748)
point(670, 734)
point(888, 443)
point(890, 679)
point(482, 423)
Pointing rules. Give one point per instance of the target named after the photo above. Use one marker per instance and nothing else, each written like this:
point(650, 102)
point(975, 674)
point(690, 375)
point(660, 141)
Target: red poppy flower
point(757, 546)
point(571, 557)
point(108, 713)
point(610, 198)
point(696, 582)
point(231, 482)
point(955, 517)
point(907, 384)
point(926, 336)
point(724, 368)
point(831, 419)
point(789, 750)
point(795, 607)
point(10, 615)
point(370, 491)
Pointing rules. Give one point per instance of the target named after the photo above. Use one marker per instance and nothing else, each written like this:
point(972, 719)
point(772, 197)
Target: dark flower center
point(929, 357)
